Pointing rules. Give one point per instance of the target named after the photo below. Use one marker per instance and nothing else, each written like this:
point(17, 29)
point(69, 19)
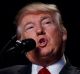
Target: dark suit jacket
point(26, 69)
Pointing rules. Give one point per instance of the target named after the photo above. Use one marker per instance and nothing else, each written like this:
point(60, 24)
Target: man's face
point(44, 29)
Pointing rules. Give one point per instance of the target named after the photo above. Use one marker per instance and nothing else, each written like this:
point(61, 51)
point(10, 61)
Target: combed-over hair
point(39, 7)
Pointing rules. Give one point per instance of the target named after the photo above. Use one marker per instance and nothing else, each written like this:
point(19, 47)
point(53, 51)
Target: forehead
point(33, 16)
point(36, 16)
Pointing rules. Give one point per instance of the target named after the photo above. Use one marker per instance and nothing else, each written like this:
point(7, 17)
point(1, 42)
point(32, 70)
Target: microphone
point(23, 46)
point(15, 54)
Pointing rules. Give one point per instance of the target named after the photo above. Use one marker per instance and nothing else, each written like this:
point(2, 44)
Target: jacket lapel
point(66, 69)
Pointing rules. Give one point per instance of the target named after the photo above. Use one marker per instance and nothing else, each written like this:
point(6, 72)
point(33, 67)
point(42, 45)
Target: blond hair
point(39, 7)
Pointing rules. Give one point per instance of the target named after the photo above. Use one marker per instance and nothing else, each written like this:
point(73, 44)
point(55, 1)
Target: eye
point(48, 22)
point(29, 26)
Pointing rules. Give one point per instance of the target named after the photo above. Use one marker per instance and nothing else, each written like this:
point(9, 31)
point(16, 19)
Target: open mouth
point(42, 42)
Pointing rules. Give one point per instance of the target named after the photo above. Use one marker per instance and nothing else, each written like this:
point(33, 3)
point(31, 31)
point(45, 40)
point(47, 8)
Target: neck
point(46, 61)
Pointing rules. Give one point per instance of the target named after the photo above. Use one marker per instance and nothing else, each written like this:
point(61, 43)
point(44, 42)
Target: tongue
point(43, 42)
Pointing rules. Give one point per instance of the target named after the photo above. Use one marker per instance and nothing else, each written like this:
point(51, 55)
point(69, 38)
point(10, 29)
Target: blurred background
point(70, 11)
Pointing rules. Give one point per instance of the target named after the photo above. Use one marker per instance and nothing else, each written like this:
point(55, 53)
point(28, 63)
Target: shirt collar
point(57, 67)
point(54, 68)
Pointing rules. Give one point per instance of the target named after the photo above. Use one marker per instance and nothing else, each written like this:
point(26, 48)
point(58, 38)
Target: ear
point(64, 31)
point(18, 32)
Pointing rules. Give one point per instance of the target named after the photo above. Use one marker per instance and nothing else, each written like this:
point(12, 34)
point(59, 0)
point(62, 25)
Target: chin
point(46, 54)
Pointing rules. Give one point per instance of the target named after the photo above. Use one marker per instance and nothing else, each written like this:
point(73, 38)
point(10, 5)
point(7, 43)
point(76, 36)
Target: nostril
point(40, 33)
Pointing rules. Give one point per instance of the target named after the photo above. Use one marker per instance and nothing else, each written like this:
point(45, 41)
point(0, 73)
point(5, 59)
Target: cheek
point(25, 35)
point(55, 37)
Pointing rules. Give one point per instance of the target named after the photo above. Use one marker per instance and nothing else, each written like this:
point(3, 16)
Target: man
point(43, 23)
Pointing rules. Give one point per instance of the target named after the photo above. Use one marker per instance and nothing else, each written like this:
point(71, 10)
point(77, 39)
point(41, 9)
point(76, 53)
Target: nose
point(40, 31)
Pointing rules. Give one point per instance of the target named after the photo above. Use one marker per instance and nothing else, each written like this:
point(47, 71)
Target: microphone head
point(28, 44)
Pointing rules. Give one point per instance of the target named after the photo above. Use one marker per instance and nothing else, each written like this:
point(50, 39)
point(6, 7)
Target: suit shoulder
point(75, 70)
point(69, 69)
point(12, 69)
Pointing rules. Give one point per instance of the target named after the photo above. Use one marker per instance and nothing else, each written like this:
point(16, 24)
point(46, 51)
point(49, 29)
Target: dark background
point(70, 11)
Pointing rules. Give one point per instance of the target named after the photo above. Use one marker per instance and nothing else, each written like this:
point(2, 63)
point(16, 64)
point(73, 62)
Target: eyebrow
point(28, 24)
point(45, 17)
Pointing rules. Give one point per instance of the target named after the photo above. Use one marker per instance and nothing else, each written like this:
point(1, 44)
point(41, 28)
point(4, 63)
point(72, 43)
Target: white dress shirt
point(53, 69)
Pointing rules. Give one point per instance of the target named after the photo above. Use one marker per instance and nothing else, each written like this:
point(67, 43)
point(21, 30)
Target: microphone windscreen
point(28, 44)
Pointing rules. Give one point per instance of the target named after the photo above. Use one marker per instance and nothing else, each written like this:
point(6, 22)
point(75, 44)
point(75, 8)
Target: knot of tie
point(44, 71)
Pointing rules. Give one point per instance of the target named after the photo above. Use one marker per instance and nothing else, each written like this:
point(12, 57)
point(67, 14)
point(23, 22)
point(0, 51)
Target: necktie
point(44, 71)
